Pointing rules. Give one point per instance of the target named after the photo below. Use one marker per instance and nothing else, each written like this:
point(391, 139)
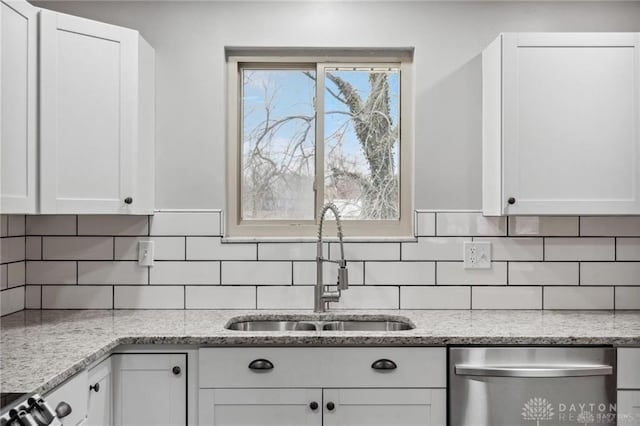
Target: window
point(303, 133)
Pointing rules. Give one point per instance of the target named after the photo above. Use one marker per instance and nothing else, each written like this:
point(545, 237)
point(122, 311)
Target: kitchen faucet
point(323, 295)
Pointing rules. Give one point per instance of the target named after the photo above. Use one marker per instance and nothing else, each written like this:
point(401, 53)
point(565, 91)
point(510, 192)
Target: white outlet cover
point(477, 254)
point(146, 253)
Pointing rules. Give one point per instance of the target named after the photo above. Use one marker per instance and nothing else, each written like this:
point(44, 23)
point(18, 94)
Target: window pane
point(362, 141)
point(278, 144)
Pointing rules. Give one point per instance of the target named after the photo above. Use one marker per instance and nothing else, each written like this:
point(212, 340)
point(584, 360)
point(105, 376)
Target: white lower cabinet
point(149, 389)
point(74, 393)
point(100, 395)
point(629, 386)
point(629, 408)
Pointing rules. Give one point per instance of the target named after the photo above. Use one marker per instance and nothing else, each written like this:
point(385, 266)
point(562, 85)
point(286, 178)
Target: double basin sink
point(350, 324)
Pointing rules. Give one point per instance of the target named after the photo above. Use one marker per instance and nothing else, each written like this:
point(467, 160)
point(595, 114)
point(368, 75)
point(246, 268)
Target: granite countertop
point(41, 349)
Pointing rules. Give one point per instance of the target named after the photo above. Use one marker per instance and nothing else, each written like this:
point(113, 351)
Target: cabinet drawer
point(628, 368)
point(322, 367)
point(73, 392)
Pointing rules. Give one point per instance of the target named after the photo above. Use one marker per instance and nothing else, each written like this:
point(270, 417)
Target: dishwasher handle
point(541, 371)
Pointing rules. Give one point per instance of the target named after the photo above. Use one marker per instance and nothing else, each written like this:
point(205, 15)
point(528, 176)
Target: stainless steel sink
point(367, 326)
point(319, 325)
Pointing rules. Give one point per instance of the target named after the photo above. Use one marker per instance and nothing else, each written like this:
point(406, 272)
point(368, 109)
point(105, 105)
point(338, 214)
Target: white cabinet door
point(100, 395)
point(384, 407)
point(74, 393)
point(18, 94)
point(88, 90)
point(629, 408)
point(260, 407)
point(149, 389)
point(562, 122)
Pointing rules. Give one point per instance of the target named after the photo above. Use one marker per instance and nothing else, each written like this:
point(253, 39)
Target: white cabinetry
point(629, 386)
point(149, 389)
point(561, 124)
point(96, 122)
point(74, 393)
point(100, 395)
point(322, 386)
point(18, 109)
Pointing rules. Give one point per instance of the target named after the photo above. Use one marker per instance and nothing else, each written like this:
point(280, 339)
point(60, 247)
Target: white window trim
point(235, 227)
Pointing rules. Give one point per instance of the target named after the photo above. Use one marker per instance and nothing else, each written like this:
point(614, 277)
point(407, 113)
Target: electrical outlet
point(145, 253)
point(477, 255)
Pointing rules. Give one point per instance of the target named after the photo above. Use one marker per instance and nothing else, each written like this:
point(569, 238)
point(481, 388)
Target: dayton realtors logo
point(537, 409)
point(540, 410)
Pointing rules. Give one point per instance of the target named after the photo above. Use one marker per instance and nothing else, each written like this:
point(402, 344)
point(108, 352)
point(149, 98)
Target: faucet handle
point(343, 277)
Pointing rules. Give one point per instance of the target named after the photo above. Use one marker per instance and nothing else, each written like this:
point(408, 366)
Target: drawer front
point(75, 393)
point(628, 368)
point(322, 367)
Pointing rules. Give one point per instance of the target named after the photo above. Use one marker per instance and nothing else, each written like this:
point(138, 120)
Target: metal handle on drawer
point(261, 364)
point(384, 364)
point(533, 371)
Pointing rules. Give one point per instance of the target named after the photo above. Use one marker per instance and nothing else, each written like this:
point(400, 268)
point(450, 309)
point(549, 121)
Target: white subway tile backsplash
point(3, 277)
point(620, 226)
point(12, 300)
point(186, 223)
point(256, 273)
point(220, 297)
point(4, 225)
point(506, 298)
point(212, 248)
point(545, 226)
point(189, 273)
point(610, 273)
point(578, 298)
point(51, 272)
point(12, 249)
point(77, 248)
point(15, 274)
point(288, 251)
point(304, 273)
point(435, 297)
point(16, 225)
point(453, 273)
point(579, 249)
point(366, 251)
point(165, 248)
point(113, 225)
point(544, 273)
point(425, 224)
point(77, 297)
point(627, 297)
point(515, 248)
point(628, 248)
point(115, 273)
point(400, 273)
point(32, 297)
point(33, 249)
point(369, 297)
point(285, 297)
point(434, 248)
point(148, 297)
point(51, 225)
point(469, 224)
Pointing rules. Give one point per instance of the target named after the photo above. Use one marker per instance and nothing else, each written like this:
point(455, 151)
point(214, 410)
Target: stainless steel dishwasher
point(550, 386)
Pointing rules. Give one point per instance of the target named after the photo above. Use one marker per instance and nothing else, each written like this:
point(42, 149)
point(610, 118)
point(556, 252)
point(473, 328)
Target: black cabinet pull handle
point(331, 406)
point(261, 364)
point(95, 388)
point(313, 405)
point(128, 200)
point(176, 370)
point(384, 364)
point(511, 200)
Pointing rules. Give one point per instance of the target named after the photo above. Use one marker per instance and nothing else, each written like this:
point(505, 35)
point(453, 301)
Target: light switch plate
point(477, 254)
point(145, 253)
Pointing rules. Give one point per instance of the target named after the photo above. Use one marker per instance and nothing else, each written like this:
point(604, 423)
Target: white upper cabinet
point(97, 118)
point(18, 94)
point(561, 124)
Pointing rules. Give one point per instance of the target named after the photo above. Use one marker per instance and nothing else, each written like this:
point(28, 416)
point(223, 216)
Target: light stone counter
point(41, 349)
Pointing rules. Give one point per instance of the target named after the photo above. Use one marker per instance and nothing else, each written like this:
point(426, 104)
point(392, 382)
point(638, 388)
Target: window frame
point(235, 226)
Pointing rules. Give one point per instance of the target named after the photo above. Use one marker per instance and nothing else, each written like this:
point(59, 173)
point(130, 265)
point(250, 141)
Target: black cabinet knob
point(95, 388)
point(313, 405)
point(63, 409)
point(331, 406)
point(511, 200)
point(176, 370)
point(128, 200)
point(261, 364)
